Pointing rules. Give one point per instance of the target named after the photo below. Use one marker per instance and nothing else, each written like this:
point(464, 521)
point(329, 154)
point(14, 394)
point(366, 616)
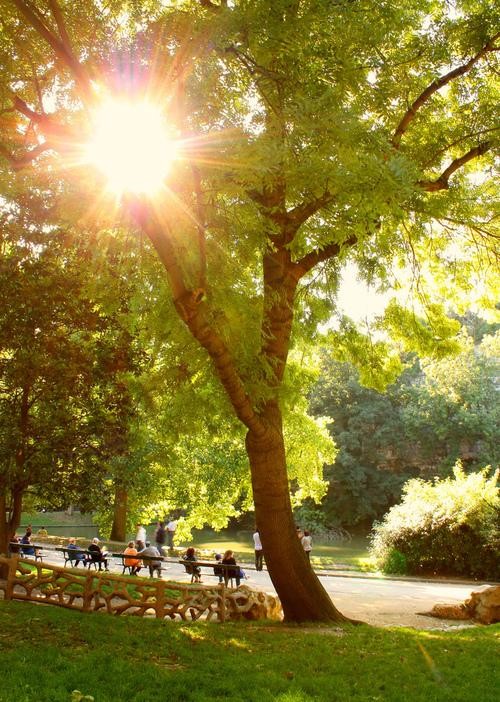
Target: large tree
point(308, 131)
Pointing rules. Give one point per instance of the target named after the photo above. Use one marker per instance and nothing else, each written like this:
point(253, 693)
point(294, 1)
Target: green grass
point(48, 652)
point(352, 553)
point(48, 519)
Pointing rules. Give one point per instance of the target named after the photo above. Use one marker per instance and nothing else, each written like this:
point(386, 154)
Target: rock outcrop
point(485, 605)
point(482, 606)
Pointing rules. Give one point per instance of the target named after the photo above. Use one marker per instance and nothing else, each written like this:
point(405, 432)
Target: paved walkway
point(380, 601)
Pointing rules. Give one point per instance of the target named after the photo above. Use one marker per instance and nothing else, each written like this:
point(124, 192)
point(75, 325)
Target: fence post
point(222, 609)
point(160, 599)
point(87, 591)
point(11, 576)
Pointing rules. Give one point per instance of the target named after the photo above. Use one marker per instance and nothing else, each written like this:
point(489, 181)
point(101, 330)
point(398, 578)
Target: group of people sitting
point(225, 567)
point(151, 553)
point(137, 555)
point(23, 544)
point(94, 554)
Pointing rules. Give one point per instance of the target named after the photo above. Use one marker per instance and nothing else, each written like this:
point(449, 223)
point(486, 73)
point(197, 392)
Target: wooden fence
point(87, 591)
point(116, 594)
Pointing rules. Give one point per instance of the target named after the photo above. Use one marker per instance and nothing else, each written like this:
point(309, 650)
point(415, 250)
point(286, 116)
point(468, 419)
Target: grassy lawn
point(48, 652)
point(352, 553)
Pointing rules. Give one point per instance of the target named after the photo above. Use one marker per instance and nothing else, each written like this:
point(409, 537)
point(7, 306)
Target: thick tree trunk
point(17, 509)
point(4, 533)
point(302, 596)
point(119, 528)
point(10, 519)
point(4, 525)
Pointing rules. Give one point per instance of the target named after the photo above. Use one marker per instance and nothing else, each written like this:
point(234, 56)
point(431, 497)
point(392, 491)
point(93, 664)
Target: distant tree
point(65, 408)
point(373, 452)
point(436, 413)
point(46, 365)
point(454, 411)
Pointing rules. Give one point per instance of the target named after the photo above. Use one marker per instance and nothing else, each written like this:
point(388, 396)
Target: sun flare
point(131, 146)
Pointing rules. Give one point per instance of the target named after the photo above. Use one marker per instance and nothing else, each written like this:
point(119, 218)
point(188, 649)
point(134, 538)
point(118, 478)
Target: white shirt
point(307, 543)
point(141, 534)
point(257, 541)
point(172, 525)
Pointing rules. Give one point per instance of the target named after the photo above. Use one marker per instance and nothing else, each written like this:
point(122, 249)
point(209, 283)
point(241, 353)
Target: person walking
point(306, 542)
point(259, 551)
point(171, 527)
point(140, 537)
point(160, 536)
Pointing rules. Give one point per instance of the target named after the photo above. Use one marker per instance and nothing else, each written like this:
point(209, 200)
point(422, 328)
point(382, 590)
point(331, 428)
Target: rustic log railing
point(88, 591)
point(116, 594)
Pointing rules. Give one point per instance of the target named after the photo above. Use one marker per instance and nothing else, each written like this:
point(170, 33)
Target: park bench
point(146, 560)
point(16, 549)
point(70, 556)
point(208, 568)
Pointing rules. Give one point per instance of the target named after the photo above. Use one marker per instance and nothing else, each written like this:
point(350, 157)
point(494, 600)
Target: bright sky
point(357, 300)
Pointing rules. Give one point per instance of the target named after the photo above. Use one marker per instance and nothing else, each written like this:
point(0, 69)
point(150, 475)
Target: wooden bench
point(17, 549)
point(73, 556)
point(209, 569)
point(146, 561)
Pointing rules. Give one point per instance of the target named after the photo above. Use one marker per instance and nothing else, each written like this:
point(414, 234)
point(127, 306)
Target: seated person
point(97, 555)
point(78, 556)
point(231, 572)
point(133, 563)
point(193, 570)
point(42, 532)
point(217, 569)
point(28, 549)
point(151, 552)
point(14, 544)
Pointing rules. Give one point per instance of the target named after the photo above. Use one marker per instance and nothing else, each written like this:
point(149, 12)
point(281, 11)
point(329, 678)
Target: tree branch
point(307, 262)
point(441, 183)
point(209, 5)
point(436, 85)
point(58, 45)
point(192, 309)
point(200, 225)
point(20, 162)
point(301, 213)
point(61, 27)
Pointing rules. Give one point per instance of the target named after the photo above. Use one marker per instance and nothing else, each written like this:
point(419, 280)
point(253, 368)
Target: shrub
point(395, 563)
point(447, 527)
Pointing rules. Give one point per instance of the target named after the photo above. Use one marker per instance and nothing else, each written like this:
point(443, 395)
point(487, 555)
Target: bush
point(395, 563)
point(446, 527)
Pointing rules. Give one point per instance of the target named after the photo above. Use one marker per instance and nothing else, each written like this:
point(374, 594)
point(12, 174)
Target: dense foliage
point(436, 413)
point(447, 527)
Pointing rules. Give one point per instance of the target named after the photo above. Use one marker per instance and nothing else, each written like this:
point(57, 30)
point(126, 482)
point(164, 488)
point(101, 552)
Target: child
point(217, 569)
